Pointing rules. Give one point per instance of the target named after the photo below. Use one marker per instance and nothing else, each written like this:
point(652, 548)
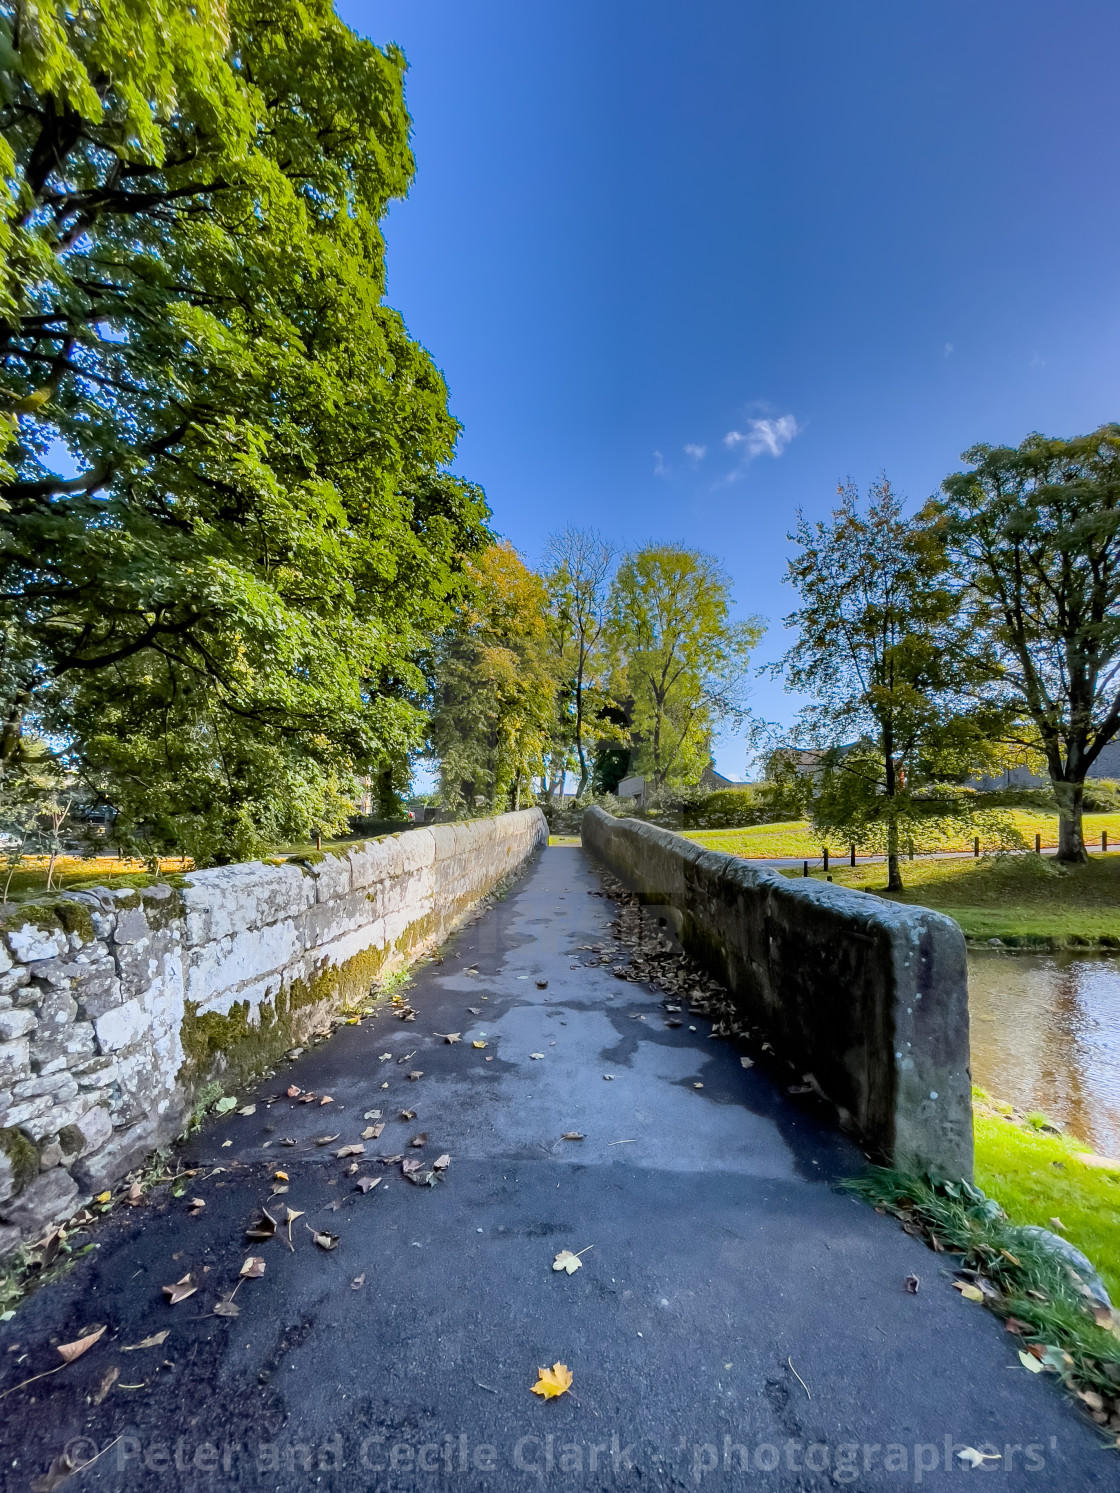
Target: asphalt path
point(733, 1305)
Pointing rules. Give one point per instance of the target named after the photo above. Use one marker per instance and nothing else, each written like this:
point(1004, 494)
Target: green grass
point(1026, 899)
point(1036, 1177)
point(795, 837)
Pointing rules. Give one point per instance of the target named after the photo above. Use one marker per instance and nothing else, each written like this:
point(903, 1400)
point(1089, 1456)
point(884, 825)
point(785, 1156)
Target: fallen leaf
point(70, 1351)
point(103, 1197)
point(572, 1135)
point(911, 1283)
point(449, 1037)
point(608, 1078)
point(135, 1195)
point(1007, 1255)
point(746, 1062)
point(149, 1342)
point(416, 1073)
point(294, 1091)
point(390, 1160)
point(306, 1099)
point(358, 1282)
point(385, 1056)
point(475, 1010)
point(408, 1114)
point(355, 1150)
point(478, 1044)
point(247, 1109)
point(1029, 1361)
point(410, 1166)
point(419, 1140)
point(366, 1184)
point(280, 1176)
point(372, 1114)
point(1017, 1326)
point(287, 1141)
point(1058, 1224)
point(291, 1214)
point(322, 1238)
point(108, 1379)
point(973, 1458)
point(536, 1054)
point(226, 1143)
point(180, 1290)
point(542, 984)
point(57, 1473)
point(553, 1382)
point(326, 1099)
point(371, 1132)
point(441, 1163)
point(227, 1307)
point(697, 1085)
point(566, 1260)
point(197, 1204)
point(224, 1106)
point(264, 1228)
point(968, 1291)
point(253, 1268)
point(325, 1140)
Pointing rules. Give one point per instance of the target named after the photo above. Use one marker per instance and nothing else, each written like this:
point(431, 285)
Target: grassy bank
point(795, 837)
point(1037, 1176)
point(1021, 899)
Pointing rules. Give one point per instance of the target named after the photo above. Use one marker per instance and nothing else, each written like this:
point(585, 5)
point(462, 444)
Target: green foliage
point(222, 615)
point(1034, 532)
point(679, 660)
point(579, 568)
point(876, 628)
point(494, 698)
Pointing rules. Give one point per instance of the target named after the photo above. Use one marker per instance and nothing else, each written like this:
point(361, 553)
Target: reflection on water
point(1046, 1035)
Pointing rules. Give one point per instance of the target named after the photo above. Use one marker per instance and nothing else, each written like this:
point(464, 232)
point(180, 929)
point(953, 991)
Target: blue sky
point(688, 266)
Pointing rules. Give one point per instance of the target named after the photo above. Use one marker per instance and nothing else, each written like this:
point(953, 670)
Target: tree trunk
point(894, 878)
point(1071, 840)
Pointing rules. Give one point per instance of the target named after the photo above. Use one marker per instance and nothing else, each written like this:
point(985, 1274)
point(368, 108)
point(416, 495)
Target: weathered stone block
point(49, 1200)
point(30, 942)
point(88, 1134)
point(120, 1027)
point(10, 1240)
point(15, 1060)
point(15, 1024)
point(15, 980)
point(125, 1149)
point(26, 1113)
point(60, 1086)
point(53, 1048)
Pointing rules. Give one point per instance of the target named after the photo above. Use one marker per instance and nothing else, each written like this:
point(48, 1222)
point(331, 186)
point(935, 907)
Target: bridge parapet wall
point(117, 1007)
point(867, 996)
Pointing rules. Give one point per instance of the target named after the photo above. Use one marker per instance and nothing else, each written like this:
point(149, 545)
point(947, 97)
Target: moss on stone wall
point(22, 1153)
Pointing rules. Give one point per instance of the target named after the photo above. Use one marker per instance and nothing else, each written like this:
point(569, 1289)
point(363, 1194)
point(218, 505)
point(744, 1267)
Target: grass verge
point(1025, 901)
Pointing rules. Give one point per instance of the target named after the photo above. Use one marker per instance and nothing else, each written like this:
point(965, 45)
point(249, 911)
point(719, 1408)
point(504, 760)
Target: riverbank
point(1038, 1175)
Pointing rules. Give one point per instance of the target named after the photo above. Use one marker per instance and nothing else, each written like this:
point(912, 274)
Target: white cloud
point(769, 437)
point(658, 464)
point(696, 453)
point(949, 348)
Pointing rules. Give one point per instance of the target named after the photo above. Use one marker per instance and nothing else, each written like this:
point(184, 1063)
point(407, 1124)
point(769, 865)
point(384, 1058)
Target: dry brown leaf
point(372, 1114)
point(408, 1114)
point(911, 1283)
point(294, 1091)
point(566, 1260)
point(572, 1135)
point(1017, 1326)
point(1102, 1315)
point(449, 1037)
point(411, 1166)
point(356, 1150)
point(1058, 1224)
point(326, 1099)
point(280, 1176)
point(180, 1290)
point(291, 1214)
point(358, 1282)
point(441, 1163)
point(367, 1184)
point(553, 1382)
point(416, 1073)
point(149, 1342)
point(70, 1351)
point(306, 1099)
point(478, 1044)
point(264, 1228)
point(247, 1109)
point(968, 1291)
point(227, 1307)
point(372, 1132)
point(322, 1238)
point(325, 1140)
point(253, 1268)
point(108, 1379)
point(474, 1010)
point(537, 1055)
point(419, 1140)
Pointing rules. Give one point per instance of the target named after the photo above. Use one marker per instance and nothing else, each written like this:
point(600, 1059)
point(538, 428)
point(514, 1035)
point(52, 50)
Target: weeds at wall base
point(1046, 1306)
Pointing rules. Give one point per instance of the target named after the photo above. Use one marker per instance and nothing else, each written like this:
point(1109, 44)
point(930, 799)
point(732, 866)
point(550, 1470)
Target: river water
point(1046, 1036)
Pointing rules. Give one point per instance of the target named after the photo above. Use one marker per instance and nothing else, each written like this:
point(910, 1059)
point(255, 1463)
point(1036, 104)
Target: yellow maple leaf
point(554, 1381)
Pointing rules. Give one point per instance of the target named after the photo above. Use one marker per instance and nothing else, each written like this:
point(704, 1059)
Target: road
point(732, 1302)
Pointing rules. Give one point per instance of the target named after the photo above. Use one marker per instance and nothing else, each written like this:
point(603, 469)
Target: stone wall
point(117, 1007)
point(867, 996)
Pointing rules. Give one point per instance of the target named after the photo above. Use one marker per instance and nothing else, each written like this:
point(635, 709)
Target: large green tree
point(889, 714)
point(578, 573)
point(225, 534)
point(1034, 531)
point(679, 658)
